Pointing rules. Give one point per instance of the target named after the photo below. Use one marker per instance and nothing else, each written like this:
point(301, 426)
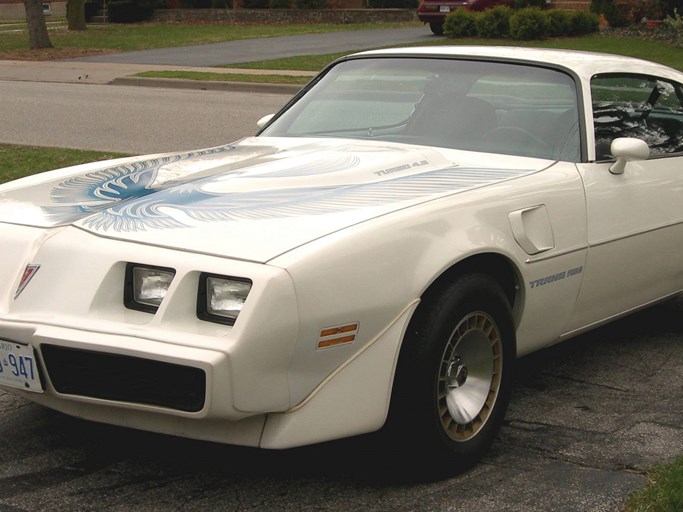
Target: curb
point(208, 85)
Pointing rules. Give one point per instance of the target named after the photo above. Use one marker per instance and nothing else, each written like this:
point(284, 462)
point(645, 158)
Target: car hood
point(253, 200)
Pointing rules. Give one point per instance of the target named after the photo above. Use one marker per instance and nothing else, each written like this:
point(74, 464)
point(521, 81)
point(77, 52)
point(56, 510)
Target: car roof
point(584, 64)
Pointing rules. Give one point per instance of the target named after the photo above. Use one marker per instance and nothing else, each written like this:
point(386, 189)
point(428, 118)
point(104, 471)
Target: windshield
point(481, 106)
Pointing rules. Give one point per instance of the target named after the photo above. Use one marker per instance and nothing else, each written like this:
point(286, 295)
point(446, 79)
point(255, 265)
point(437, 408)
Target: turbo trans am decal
point(555, 277)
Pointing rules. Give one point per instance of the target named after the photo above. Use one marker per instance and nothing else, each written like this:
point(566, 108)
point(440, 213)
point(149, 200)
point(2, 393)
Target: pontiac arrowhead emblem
point(29, 272)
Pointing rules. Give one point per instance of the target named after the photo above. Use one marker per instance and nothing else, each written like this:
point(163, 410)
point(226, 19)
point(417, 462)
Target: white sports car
point(380, 253)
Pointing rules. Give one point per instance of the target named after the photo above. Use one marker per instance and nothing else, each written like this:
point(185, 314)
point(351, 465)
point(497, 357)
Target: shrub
point(672, 28)
point(560, 23)
point(583, 22)
point(672, 7)
point(673, 23)
point(529, 23)
point(615, 15)
point(280, 4)
point(460, 23)
point(129, 11)
point(255, 4)
point(634, 12)
point(494, 23)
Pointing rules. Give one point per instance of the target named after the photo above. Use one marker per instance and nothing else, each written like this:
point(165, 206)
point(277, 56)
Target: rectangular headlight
point(146, 286)
point(220, 298)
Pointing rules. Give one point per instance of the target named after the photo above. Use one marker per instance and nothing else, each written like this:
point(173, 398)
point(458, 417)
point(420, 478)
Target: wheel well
point(497, 266)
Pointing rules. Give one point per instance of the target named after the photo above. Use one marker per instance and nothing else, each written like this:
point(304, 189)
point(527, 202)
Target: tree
point(37, 29)
point(75, 14)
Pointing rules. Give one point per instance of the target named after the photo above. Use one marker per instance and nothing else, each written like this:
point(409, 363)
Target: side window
point(637, 106)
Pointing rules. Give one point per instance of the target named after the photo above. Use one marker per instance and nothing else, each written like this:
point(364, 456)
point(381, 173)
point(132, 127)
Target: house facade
point(14, 9)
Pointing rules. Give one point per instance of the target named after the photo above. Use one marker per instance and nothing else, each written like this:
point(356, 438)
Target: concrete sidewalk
point(122, 74)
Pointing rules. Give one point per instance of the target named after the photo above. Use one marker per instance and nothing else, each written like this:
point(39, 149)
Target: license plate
point(18, 367)
point(444, 8)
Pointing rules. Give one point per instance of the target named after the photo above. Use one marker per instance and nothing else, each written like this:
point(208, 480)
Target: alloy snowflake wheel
point(469, 378)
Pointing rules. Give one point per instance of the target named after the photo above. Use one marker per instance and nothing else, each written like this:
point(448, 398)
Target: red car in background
point(434, 11)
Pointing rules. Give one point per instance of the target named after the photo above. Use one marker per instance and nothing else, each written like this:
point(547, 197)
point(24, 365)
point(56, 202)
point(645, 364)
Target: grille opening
point(125, 378)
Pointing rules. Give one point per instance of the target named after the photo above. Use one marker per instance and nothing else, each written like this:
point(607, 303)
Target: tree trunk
point(37, 29)
point(75, 14)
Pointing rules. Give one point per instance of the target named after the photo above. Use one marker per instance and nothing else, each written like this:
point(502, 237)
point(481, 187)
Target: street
point(136, 120)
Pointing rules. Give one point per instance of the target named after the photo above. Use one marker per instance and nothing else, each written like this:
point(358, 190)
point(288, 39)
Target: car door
point(635, 218)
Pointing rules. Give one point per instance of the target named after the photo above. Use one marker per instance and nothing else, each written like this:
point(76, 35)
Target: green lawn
point(629, 46)
point(665, 492)
point(228, 77)
point(20, 161)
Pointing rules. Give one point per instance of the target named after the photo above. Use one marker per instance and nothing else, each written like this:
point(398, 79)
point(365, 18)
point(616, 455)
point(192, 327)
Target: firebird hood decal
point(285, 192)
point(205, 206)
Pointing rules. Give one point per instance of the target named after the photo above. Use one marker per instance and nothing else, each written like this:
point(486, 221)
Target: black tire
point(436, 28)
point(454, 375)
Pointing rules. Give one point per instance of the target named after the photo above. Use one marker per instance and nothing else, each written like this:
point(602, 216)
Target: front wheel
point(454, 374)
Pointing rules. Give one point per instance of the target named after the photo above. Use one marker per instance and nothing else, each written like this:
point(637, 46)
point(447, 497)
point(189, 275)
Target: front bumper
point(345, 404)
point(145, 384)
point(72, 312)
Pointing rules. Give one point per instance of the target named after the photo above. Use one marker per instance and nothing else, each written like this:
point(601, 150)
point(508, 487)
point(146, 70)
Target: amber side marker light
point(338, 335)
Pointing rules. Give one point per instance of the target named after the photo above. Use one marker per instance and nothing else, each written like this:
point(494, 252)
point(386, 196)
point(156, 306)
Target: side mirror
point(627, 149)
point(264, 121)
